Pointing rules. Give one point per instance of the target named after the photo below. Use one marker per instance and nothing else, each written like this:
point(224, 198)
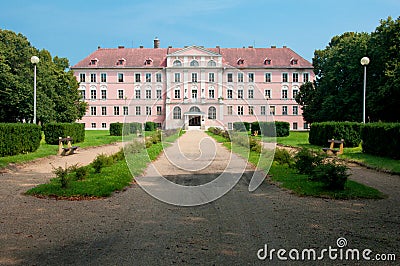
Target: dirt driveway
point(133, 228)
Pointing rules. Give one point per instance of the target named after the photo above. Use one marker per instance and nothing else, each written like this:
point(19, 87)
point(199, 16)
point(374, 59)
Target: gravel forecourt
point(133, 228)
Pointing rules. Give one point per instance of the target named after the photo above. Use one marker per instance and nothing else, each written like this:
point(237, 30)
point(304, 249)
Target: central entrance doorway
point(194, 120)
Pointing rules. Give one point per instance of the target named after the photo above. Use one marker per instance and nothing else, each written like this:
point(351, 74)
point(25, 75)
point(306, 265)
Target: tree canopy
point(58, 98)
point(337, 92)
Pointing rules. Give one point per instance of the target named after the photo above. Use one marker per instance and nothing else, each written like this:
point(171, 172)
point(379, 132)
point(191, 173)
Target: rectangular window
point(93, 125)
point(284, 110)
point(284, 77)
point(295, 92)
point(284, 94)
point(137, 77)
point(103, 110)
point(148, 110)
point(158, 77)
point(240, 77)
point(177, 77)
point(211, 77)
point(240, 110)
point(93, 94)
point(137, 94)
point(306, 77)
point(251, 94)
point(194, 77)
point(148, 77)
point(159, 94)
point(116, 110)
point(148, 94)
point(295, 110)
point(103, 94)
point(295, 77)
point(230, 125)
point(125, 110)
point(267, 77)
point(211, 94)
point(177, 94)
point(93, 110)
point(294, 125)
point(120, 94)
point(82, 77)
point(272, 110)
point(305, 126)
point(251, 110)
point(120, 77)
point(229, 94)
point(229, 77)
point(159, 110)
point(194, 94)
point(267, 94)
point(92, 77)
point(83, 94)
point(262, 110)
point(251, 77)
point(230, 110)
point(103, 77)
point(137, 109)
point(103, 125)
point(240, 94)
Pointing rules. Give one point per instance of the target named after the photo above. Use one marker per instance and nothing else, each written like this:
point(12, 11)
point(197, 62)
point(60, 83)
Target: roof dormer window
point(240, 61)
point(148, 62)
point(267, 61)
point(121, 62)
point(293, 61)
point(93, 61)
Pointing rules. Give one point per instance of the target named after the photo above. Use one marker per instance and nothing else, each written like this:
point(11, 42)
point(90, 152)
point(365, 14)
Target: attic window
point(148, 62)
point(267, 61)
point(240, 61)
point(94, 61)
point(121, 62)
point(293, 61)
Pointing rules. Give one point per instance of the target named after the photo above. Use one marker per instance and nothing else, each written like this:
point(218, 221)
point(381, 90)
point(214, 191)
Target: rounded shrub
point(16, 138)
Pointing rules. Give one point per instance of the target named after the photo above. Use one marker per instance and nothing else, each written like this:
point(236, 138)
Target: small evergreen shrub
point(331, 174)
point(16, 138)
point(52, 131)
point(306, 160)
point(101, 161)
point(119, 129)
point(62, 174)
point(282, 129)
point(81, 172)
point(241, 126)
point(150, 126)
point(282, 156)
point(135, 127)
point(255, 126)
point(382, 139)
point(320, 133)
point(272, 129)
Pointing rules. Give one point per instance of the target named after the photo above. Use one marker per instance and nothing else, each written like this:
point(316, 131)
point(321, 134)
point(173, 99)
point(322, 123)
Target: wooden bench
point(331, 149)
point(69, 149)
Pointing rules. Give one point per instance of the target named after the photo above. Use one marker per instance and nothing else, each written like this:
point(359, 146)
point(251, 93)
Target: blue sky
point(74, 29)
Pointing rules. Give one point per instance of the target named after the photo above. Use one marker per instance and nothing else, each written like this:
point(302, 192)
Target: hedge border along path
point(16, 138)
point(52, 131)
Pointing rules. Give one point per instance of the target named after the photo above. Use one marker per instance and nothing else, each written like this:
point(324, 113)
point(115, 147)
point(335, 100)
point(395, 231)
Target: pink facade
point(192, 87)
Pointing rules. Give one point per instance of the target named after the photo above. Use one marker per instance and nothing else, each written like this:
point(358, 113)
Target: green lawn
point(288, 178)
point(92, 138)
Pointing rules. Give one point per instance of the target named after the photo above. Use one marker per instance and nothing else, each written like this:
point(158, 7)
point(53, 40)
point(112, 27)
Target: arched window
point(212, 113)
point(177, 63)
point(177, 114)
point(194, 63)
point(211, 63)
point(194, 109)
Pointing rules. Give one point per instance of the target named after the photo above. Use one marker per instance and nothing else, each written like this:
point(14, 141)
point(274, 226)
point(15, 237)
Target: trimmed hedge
point(241, 126)
point(349, 131)
point(116, 129)
point(382, 139)
point(150, 126)
point(52, 131)
point(135, 126)
point(16, 138)
point(271, 129)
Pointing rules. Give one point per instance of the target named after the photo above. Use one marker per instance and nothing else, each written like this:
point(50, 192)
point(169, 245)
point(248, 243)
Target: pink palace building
point(192, 87)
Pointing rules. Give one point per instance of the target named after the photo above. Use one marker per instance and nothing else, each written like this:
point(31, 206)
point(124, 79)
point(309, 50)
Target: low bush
point(119, 129)
point(135, 127)
point(382, 139)
point(282, 129)
point(241, 126)
point(282, 156)
point(306, 160)
point(81, 172)
point(272, 129)
point(331, 174)
point(101, 161)
point(320, 133)
point(62, 174)
point(16, 138)
point(150, 126)
point(255, 126)
point(52, 131)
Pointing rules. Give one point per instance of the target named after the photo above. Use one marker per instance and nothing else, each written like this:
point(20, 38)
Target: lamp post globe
point(364, 61)
point(34, 61)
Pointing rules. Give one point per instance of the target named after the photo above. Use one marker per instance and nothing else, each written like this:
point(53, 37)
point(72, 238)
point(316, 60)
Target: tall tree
point(58, 98)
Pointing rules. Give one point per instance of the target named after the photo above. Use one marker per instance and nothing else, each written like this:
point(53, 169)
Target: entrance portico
point(194, 120)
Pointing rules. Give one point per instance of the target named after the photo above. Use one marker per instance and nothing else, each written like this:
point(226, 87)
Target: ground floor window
point(103, 125)
point(306, 126)
point(93, 125)
point(294, 125)
point(177, 113)
point(159, 110)
point(230, 126)
point(212, 113)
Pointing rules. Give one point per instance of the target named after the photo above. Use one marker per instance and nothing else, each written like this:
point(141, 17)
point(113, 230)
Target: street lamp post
point(34, 61)
point(364, 62)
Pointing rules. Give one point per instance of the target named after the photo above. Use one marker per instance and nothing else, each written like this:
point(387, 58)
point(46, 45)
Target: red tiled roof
point(136, 57)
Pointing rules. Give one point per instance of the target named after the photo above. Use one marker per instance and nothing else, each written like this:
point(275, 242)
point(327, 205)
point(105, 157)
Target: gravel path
point(133, 228)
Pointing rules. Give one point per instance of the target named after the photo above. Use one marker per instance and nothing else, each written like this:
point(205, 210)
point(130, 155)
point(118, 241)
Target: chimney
point(141, 46)
point(273, 46)
point(98, 47)
point(156, 43)
point(250, 46)
point(284, 46)
point(170, 46)
point(121, 47)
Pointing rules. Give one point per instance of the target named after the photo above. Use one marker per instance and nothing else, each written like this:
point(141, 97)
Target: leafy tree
point(58, 98)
